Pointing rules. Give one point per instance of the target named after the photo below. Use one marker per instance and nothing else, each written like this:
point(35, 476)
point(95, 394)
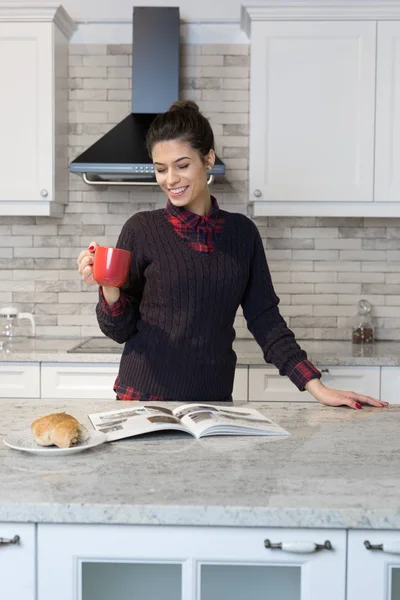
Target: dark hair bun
point(184, 105)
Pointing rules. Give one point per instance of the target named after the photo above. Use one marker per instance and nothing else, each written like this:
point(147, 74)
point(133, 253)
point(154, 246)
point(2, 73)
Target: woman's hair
point(182, 121)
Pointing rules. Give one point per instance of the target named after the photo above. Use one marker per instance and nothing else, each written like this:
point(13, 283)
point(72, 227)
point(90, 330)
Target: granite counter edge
point(211, 516)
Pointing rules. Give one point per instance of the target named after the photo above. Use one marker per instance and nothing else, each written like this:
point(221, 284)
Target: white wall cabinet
point(373, 573)
point(17, 561)
point(266, 385)
point(19, 380)
point(33, 109)
point(324, 109)
point(387, 172)
point(187, 563)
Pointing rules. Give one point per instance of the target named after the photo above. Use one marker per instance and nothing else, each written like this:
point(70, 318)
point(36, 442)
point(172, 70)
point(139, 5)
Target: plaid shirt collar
point(192, 220)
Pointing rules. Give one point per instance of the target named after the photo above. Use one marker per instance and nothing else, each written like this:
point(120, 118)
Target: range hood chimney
point(120, 156)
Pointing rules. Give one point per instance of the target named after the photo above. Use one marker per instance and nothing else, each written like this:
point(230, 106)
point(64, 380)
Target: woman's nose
point(172, 178)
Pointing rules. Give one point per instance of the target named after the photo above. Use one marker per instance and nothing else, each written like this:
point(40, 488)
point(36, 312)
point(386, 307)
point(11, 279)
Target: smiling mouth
point(178, 191)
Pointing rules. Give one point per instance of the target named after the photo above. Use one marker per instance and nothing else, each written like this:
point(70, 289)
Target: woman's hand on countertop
point(331, 397)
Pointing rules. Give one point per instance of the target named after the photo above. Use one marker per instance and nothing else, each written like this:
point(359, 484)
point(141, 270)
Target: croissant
point(58, 429)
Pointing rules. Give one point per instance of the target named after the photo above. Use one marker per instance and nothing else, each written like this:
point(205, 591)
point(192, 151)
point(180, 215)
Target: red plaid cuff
point(302, 373)
point(129, 393)
point(116, 309)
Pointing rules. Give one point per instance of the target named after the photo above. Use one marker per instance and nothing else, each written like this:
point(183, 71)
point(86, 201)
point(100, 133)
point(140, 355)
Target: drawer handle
point(298, 547)
point(391, 548)
point(324, 370)
point(5, 542)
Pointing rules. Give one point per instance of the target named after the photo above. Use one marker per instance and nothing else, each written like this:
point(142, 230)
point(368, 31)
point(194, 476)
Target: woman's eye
point(160, 170)
point(184, 167)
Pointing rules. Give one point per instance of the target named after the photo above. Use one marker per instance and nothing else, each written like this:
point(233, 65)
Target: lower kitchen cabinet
point(17, 561)
point(373, 565)
point(19, 380)
point(266, 385)
point(96, 380)
point(390, 386)
point(97, 562)
point(75, 380)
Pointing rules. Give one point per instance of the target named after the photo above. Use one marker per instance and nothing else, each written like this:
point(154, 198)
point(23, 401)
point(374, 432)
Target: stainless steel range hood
point(120, 156)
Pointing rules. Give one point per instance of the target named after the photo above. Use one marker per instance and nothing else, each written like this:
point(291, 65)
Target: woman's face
point(180, 172)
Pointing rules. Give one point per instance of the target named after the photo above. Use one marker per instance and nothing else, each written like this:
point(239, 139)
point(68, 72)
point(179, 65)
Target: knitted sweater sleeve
point(264, 321)
point(119, 321)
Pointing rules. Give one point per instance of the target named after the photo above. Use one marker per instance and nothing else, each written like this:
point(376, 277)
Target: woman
point(193, 265)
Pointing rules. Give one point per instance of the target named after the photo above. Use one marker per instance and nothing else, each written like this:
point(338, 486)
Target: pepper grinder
point(363, 330)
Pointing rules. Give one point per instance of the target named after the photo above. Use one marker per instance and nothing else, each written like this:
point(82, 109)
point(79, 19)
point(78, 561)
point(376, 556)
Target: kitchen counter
point(338, 469)
point(332, 353)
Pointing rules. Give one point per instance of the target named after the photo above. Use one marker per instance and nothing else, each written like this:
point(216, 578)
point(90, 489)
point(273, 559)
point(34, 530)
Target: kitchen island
point(174, 515)
point(339, 468)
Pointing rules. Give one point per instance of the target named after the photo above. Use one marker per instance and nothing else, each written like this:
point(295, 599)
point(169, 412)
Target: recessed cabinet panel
point(312, 111)
point(26, 103)
point(387, 151)
point(130, 580)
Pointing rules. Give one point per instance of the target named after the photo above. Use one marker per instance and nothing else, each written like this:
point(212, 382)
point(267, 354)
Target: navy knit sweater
point(180, 307)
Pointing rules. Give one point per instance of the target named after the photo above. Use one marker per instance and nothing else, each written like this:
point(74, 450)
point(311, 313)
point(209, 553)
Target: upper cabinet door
point(26, 112)
point(312, 111)
point(387, 150)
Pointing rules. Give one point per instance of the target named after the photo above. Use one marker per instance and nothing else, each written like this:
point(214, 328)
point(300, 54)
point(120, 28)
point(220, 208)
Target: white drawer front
point(19, 380)
point(240, 385)
point(390, 384)
point(78, 381)
point(265, 383)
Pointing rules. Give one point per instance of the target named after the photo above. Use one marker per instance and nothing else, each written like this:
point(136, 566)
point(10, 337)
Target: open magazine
point(199, 420)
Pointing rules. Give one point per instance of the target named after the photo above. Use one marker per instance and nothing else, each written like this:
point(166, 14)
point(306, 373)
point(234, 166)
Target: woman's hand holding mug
point(108, 267)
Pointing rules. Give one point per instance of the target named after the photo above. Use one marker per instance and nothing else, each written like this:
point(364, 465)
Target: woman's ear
point(209, 160)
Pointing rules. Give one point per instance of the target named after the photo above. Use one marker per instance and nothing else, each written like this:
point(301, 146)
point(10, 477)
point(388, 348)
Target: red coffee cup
point(111, 266)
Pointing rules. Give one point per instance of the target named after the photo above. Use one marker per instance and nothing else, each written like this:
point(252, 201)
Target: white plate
point(23, 440)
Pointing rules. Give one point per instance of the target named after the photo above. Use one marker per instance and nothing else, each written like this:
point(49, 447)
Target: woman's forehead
point(171, 150)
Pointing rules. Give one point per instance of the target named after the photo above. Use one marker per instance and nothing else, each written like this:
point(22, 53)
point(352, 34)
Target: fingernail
point(91, 247)
point(358, 405)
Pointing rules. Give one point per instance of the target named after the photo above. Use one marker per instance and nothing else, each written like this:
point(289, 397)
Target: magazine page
point(205, 419)
point(127, 422)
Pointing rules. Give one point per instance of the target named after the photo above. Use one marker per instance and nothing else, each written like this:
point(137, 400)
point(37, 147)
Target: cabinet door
point(387, 148)
point(99, 562)
point(19, 380)
point(26, 111)
point(17, 563)
point(312, 111)
point(240, 385)
point(265, 383)
point(374, 573)
point(390, 384)
point(74, 380)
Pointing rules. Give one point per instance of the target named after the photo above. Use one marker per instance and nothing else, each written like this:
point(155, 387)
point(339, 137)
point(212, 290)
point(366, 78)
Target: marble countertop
point(330, 353)
point(339, 468)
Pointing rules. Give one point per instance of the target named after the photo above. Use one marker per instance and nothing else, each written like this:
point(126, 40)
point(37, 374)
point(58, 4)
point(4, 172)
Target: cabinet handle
point(391, 548)
point(324, 370)
point(44, 193)
point(257, 193)
point(5, 542)
point(298, 547)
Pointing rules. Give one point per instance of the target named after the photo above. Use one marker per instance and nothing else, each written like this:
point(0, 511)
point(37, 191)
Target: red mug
point(111, 266)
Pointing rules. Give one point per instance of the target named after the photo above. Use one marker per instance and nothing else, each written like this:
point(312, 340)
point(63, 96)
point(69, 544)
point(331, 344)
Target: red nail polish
point(91, 247)
point(358, 405)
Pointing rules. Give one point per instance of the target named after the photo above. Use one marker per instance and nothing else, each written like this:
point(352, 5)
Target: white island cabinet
point(17, 561)
point(34, 109)
point(189, 563)
point(373, 565)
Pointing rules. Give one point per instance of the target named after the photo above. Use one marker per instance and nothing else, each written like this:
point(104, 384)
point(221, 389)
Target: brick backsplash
point(320, 267)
